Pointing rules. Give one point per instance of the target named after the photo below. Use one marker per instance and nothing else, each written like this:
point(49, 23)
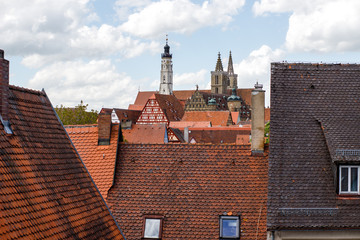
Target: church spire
point(230, 66)
point(219, 66)
point(166, 49)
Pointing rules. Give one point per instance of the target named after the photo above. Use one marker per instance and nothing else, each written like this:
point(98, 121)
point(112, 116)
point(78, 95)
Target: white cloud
point(189, 80)
point(256, 68)
point(48, 31)
point(318, 25)
point(97, 83)
point(180, 16)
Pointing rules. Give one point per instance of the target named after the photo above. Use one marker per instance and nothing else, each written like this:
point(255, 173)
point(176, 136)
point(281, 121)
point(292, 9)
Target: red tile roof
point(123, 114)
point(46, 192)
point(190, 186)
point(98, 159)
point(182, 124)
point(145, 133)
point(217, 135)
point(217, 118)
point(183, 95)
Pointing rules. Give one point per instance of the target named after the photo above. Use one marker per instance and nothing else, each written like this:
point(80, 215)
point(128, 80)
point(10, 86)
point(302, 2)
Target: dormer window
point(229, 227)
point(349, 179)
point(152, 228)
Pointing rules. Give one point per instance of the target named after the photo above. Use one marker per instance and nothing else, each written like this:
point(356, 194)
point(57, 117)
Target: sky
point(104, 51)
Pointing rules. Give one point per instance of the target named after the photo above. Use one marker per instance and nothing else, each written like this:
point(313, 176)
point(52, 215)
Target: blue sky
point(103, 51)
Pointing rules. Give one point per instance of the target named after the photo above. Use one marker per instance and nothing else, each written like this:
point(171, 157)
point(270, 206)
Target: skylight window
point(152, 227)
point(229, 227)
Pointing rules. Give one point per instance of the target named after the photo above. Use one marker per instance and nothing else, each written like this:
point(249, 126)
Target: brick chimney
point(4, 87)
point(257, 119)
point(104, 129)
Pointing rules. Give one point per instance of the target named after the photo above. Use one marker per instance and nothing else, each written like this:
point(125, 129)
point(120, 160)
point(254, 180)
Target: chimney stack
point(4, 87)
point(257, 119)
point(186, 134)
point(104, 129)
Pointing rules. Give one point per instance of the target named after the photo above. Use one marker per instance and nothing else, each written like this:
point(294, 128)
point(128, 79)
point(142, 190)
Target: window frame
point(349, 192)
point(229, 217)
point(160, 217)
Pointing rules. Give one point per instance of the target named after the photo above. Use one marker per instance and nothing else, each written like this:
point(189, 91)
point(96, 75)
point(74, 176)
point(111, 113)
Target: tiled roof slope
point(46, 192)
point(191, 186)
point(170, 106)
point(98, 159)
point(220, 135)
point(315, 110)
point(146, 133)
point(123, 114)
point(217, 118)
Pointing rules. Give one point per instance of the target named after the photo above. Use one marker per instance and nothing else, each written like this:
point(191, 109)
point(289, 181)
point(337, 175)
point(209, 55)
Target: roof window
point(229, 227)
point(152, 228)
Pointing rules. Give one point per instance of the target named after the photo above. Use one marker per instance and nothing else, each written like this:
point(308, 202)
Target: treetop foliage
point(77, 115)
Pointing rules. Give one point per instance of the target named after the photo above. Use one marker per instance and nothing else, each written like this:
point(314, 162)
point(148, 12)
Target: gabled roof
point(315, 114)
point(190, 185)
point(217, 118)
point(183, 95)
point(170, 106)
point(98, 159)
point(145, 133)
point(141, 99)
point(46, 192)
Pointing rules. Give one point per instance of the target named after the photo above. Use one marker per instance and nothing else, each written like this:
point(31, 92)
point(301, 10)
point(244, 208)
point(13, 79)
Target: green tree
point(77, 115)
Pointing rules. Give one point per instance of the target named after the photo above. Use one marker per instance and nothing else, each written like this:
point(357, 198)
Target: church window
point(216, 90)
point(164, 79)
point(216, 79)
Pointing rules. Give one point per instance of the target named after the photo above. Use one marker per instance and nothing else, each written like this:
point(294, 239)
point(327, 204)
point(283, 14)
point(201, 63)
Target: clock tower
point(166, 75)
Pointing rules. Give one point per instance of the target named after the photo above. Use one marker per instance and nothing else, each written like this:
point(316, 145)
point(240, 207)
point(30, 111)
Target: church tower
point(219, 78)
point(166, 75)
point(231, 75)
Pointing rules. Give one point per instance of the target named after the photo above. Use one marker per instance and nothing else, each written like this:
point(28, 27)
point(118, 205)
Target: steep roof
point(145, 133)
point(141, 100)
point(217, 118)
point(171, 106)
point(98, 159)
point(191, 185)
point(315, 114)
point(46, 192)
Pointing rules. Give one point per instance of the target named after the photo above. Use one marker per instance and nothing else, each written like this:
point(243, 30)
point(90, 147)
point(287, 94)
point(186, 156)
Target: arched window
point(216, 90)
point(216, 79)
point(164, 79)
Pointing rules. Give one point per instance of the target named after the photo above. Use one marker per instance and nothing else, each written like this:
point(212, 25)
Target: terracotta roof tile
point(182, 124)
point(219, 135)
point(191, 186)
point(98, 159)
point(217, 118)
point(46, 192)
point(145, 133)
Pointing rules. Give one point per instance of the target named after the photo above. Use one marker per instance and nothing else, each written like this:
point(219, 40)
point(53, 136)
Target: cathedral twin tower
point(221, 81)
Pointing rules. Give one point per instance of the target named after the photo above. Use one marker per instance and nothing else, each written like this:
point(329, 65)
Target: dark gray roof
point(315, 126)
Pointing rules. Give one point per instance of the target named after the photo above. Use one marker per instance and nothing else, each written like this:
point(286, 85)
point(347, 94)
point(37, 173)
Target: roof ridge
point(28, 90)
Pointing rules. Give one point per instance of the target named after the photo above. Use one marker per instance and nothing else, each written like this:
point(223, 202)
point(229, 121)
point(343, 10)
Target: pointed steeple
point(219, 66)
point(166, 49)
point(230, 66)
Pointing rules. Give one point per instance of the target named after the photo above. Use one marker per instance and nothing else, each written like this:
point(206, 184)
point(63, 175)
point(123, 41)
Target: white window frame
point(349, 179)
point(152, 217)
point(237, 218)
